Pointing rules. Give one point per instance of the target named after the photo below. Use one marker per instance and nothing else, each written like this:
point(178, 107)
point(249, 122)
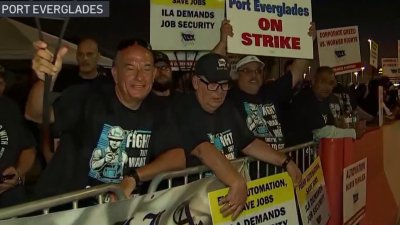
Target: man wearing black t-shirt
point(94, 118)
point(213, 131)
point(261, 104)
point(163, 81)
point(85, 72)
point(17, 153)
point(314, 108)
point(87, 56)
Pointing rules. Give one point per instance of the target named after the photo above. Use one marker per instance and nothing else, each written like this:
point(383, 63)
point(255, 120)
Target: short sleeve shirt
point(308, 113)
point(263, 111)
point(103, 139)
point(14, 136)
point(224, 128)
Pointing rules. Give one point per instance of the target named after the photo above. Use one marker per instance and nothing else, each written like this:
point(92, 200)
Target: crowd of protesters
point(129, 126)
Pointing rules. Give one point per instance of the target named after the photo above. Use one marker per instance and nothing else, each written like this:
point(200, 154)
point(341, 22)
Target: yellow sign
point(311, 195)
point(185, 24)
point(270, 200)
point(193, 4)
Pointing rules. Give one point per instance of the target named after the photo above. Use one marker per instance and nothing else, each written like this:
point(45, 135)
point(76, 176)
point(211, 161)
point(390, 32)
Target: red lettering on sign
point(272, 24)
point(270, 41)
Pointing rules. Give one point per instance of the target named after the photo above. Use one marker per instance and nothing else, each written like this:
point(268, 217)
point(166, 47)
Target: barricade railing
point(73, 198)
point(302, 154)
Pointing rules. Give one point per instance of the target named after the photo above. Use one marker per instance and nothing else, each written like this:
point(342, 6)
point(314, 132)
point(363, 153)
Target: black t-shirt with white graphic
point(14, 137)
point(224, 128)
point(103, 139)
point(70, 76)
point(308, 113)
point(263, 112)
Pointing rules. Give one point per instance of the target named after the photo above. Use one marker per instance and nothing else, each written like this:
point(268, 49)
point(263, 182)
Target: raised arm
point(300, 65)
point(41, 65)
point(225, 31)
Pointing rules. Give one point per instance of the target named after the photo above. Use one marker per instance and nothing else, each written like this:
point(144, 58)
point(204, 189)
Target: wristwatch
point(20, 181)
point(134, 174)
point(286, 162)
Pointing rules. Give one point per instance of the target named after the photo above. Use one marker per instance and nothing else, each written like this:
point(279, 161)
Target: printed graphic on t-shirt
point(116, 149)
point(344, 101)
point(335, 110)
point(224, 143)
point(3, 140)
point(325, 116)
point(263, 122)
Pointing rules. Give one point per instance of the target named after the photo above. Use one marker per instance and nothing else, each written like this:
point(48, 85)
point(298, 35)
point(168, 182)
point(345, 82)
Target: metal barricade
point(197, 170)
point(72, 197)
point(303, 155)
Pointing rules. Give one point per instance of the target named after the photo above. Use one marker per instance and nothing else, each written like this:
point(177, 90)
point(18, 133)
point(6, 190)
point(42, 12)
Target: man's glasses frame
point(214, 86)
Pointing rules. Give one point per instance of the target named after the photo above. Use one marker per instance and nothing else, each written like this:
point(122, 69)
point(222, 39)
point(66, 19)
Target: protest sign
point(278, 28)
point(339, 48)
point(373, 55)
point(354, 192)
point(270, 201)
point(312, 197)
point(185, 24)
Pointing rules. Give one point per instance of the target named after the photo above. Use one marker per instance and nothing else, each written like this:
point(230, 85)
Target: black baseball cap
point(213, 67)
point(161, 59)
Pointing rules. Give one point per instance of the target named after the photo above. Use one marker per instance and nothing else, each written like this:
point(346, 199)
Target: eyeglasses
point(214, 86)
point(249, 71)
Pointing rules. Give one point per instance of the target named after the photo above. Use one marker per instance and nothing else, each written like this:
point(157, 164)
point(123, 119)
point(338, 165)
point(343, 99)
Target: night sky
point(379, 20)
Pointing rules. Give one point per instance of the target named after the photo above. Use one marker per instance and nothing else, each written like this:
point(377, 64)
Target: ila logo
point(154, 218)
point(340, 53)
point(188, 38)
point(182, 215)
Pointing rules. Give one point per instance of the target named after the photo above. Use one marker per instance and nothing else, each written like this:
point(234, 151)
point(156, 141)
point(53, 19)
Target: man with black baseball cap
point(214, 133)
point(163, 80)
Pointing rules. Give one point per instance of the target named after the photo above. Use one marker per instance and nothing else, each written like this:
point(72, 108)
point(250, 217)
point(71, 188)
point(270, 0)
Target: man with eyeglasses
point(261, 104)
point(213, 132)
point(90, 116)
